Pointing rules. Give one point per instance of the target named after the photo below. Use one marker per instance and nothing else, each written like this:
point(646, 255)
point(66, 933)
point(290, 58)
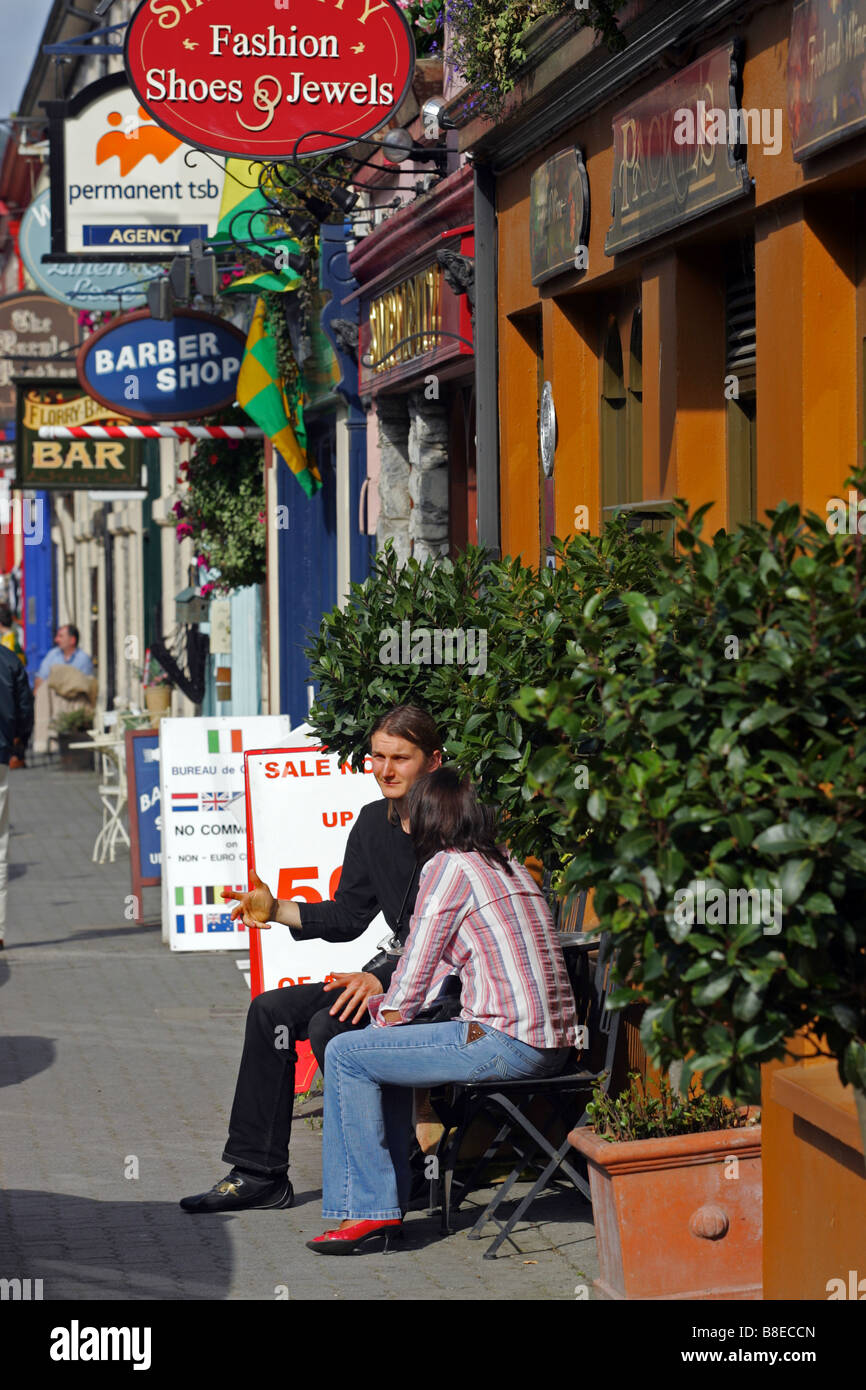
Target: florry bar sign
point(244, 79)
point(73, 463)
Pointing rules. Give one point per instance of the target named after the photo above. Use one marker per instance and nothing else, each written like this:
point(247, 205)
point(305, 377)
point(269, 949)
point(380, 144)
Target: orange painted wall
point(811, 320)
point(808, 375)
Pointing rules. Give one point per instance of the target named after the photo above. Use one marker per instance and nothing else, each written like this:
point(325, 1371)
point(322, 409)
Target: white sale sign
point(204, 836)
point(301, 804)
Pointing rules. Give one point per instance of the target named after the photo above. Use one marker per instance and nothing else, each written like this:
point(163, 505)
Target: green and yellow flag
point(246, 215)
point(262, 395)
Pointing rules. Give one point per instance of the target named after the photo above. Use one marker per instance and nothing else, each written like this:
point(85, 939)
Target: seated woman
point(479, 915)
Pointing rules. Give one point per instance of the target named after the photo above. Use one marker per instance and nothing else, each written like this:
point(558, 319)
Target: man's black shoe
point(240, 1192)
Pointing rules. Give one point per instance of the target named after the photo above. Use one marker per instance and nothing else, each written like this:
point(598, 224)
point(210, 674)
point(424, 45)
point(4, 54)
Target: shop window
point(741, 387)
point(614, 422)
point(634, 410)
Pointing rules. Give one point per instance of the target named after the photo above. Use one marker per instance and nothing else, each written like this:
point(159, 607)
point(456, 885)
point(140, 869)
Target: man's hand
point(357, 989)
point(258, 908)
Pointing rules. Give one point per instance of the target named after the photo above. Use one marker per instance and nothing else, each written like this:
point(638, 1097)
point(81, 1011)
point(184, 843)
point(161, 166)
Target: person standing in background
point(9, 638)
point(16, 724)
point(9, 634)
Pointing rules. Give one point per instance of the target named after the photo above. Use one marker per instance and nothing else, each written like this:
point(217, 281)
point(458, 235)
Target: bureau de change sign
point(154, 369)
point(122, 187)
point(256, 80)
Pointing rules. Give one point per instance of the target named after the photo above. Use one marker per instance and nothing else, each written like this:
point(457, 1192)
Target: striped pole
point(149, 432)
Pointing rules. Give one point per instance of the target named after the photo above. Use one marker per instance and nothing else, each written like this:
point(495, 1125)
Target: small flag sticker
point(207, 896)
point(184, 801)
point(225, 741)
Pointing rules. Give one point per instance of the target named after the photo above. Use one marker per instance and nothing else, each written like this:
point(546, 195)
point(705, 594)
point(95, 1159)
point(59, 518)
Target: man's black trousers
point(261, 1118)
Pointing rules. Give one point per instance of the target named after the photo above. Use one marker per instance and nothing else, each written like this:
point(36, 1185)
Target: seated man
point(380, 873)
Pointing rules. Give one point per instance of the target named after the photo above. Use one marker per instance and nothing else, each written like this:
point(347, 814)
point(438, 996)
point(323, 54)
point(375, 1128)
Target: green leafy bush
point(636, 1114)
point(527, 616)
point(728, 722)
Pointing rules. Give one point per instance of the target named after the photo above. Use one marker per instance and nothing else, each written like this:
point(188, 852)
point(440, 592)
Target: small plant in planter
point(157, 686)
point(676, 1193)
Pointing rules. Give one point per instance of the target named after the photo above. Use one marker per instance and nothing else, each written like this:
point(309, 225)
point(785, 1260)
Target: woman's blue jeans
point(369, 1076)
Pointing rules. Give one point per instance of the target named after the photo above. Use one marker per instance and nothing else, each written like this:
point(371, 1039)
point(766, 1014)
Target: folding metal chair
point(508, 1104)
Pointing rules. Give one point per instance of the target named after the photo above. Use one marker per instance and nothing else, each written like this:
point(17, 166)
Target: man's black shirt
point(378, 869)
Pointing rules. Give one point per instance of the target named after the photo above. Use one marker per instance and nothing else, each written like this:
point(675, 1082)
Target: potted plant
point(70, 727)
point(676, 1193)
point(157, 688)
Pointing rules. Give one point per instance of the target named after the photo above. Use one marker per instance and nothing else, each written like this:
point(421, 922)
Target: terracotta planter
point(157, 698)
point(675, 1218)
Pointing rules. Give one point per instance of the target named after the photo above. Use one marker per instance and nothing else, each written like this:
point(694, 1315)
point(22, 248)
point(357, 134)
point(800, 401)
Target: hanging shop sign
point(676, 151)
point(204, 827)
point(154, 369)
point(122, 188)
point(826, 60)
point(34, 329)
point(62, 464)
point(559, 216)
point(404, 321)
point(245, 80)
point(110, 285)
point(423, 322)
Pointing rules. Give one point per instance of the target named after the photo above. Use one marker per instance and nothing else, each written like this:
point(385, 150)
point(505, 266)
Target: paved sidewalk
point(118, 1056)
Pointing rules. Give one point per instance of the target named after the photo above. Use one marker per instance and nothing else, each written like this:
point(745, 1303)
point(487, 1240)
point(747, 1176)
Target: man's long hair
point(416, 726)
point(445, 813)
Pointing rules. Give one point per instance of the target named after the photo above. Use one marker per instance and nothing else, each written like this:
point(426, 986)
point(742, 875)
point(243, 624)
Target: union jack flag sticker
point(215, 801)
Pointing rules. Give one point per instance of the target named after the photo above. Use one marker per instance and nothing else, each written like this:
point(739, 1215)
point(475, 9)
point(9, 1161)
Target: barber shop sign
point(268, 80)
point(154, 369)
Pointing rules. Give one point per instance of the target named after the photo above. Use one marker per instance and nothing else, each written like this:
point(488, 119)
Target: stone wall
point(413, 480)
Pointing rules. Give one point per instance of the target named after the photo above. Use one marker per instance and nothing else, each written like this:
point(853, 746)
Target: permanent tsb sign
point(240, 77)
point(152, 369)
point(122, 187)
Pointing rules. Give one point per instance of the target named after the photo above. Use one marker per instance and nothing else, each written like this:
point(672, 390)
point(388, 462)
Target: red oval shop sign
point(252, 78)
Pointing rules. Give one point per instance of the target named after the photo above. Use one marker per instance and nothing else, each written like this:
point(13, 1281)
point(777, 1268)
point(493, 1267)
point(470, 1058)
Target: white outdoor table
point(112, 793)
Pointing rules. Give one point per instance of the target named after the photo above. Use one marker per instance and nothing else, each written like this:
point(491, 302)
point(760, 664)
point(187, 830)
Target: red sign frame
point(347, 84)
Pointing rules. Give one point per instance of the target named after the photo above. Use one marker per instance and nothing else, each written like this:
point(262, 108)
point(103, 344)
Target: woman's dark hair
point(445, 813)
point(5, 615)
point(413, 724)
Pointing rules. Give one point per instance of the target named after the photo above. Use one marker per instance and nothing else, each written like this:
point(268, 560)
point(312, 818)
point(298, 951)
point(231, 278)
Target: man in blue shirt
point(65, 650)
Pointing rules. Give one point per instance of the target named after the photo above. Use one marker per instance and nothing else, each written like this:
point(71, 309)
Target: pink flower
point(184, 530)
point(262, 518)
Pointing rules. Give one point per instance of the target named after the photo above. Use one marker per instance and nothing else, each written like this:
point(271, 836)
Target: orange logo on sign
point(131, 145)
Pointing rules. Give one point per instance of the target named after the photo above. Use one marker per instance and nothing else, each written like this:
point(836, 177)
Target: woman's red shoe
point(346, 1239)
